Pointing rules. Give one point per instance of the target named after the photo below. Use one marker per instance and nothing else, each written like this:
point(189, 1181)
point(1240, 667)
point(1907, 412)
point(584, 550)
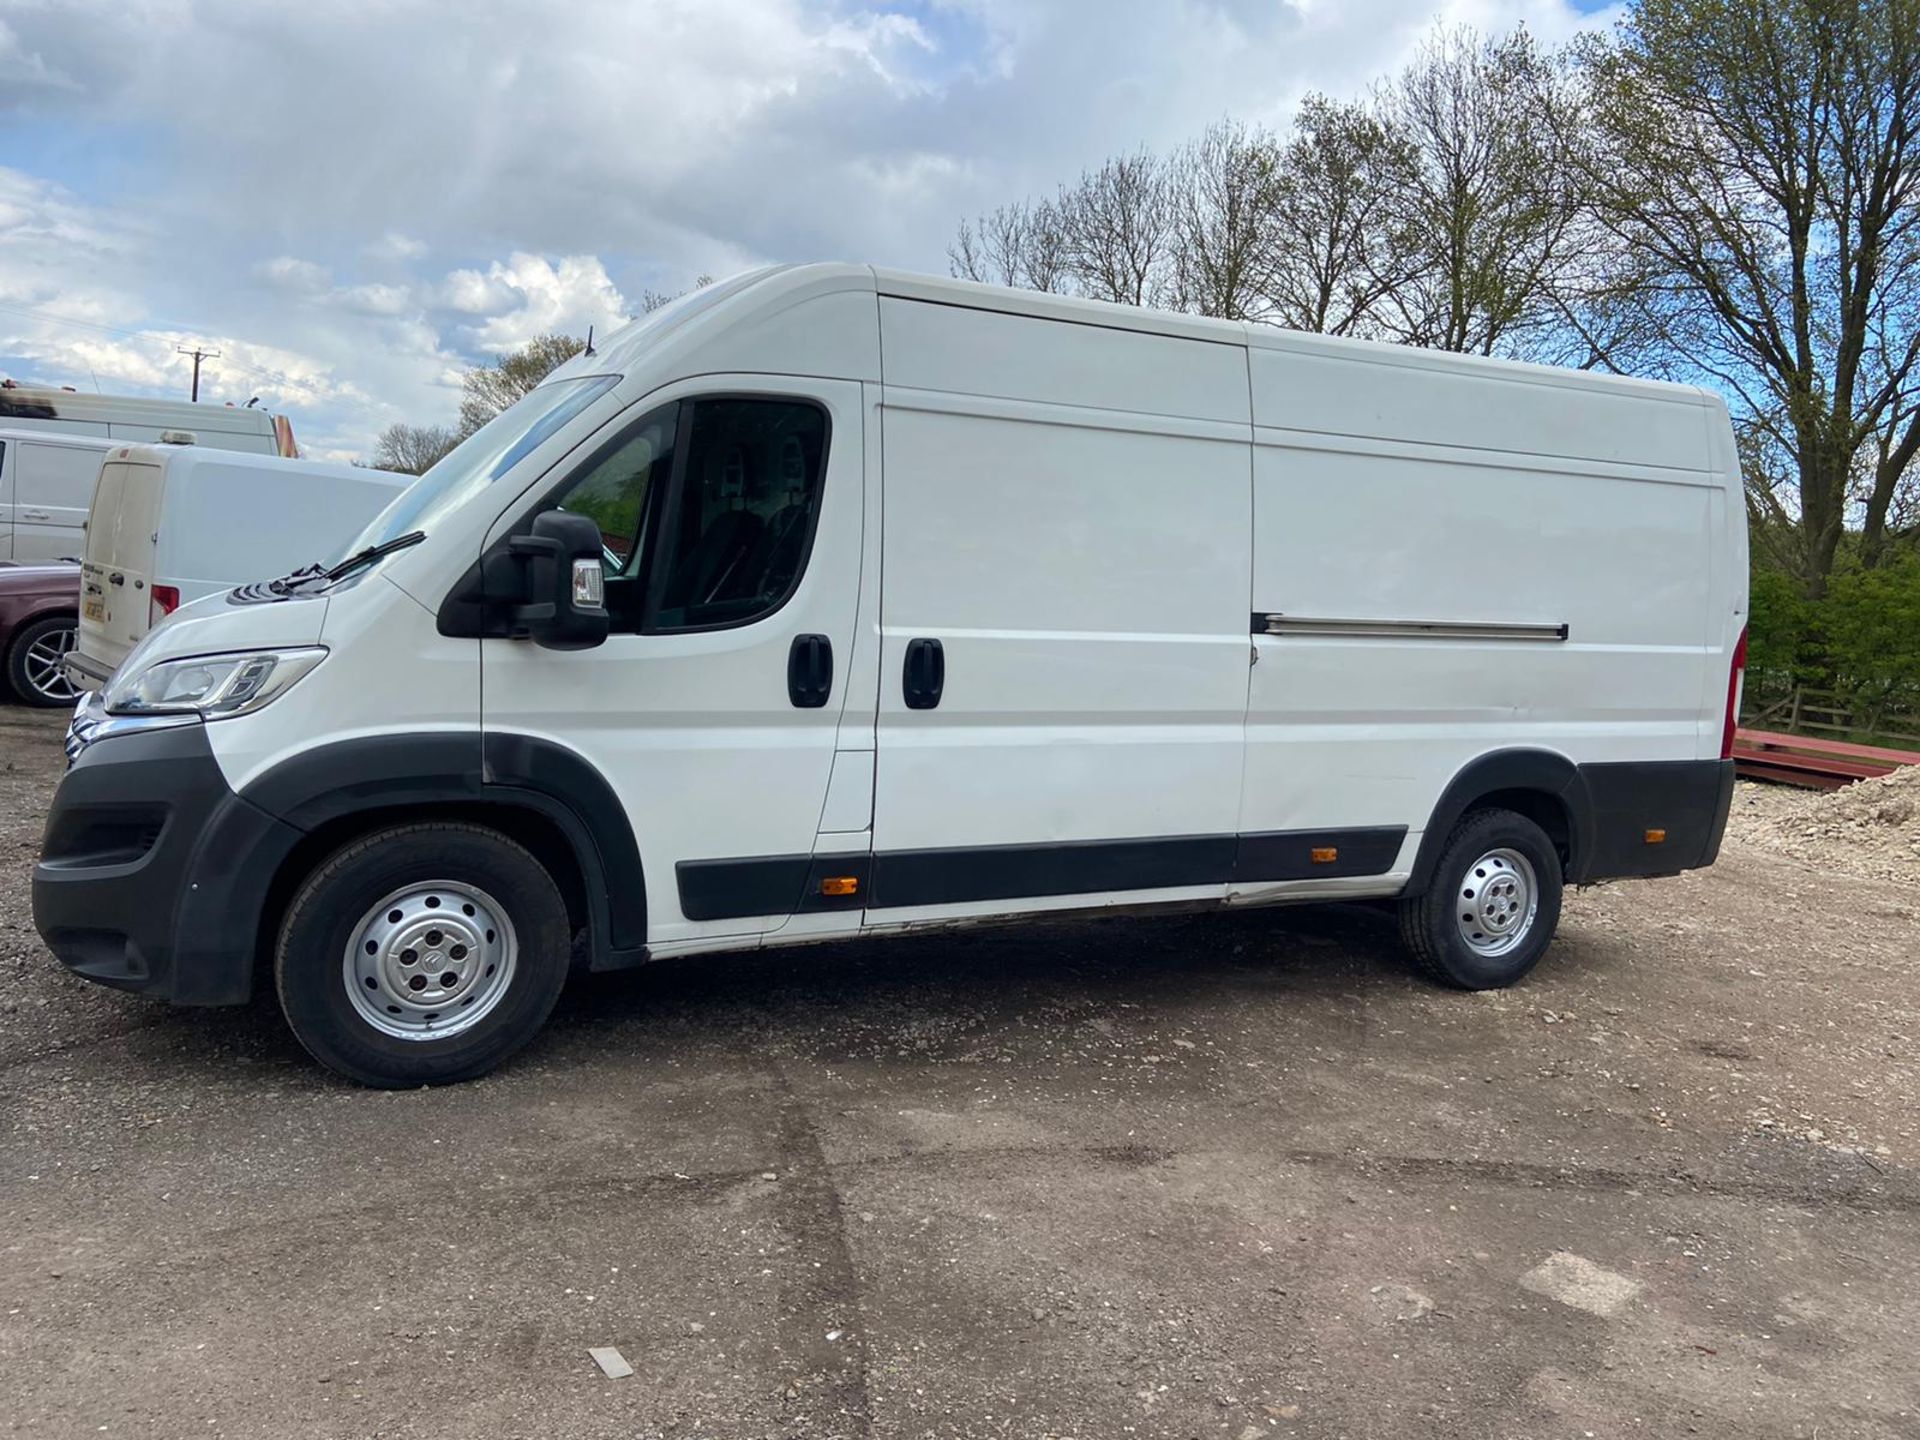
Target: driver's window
point(737, 529)
point(616, 490)
point(706, 511)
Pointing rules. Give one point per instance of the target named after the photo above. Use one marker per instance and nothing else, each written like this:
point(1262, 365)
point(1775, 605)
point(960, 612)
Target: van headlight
point(213, 686)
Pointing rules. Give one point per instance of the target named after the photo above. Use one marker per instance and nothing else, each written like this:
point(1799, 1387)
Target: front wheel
point(422, 955)
point(1490, 911)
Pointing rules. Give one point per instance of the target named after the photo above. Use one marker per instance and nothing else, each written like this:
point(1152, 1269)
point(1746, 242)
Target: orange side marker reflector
point(840, 885)
point(1325, 854)
point(1656, 837)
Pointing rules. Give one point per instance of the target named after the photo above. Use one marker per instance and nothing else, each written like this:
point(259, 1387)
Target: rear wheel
point(422, 955)
point(36, 661)
point(1489, 913)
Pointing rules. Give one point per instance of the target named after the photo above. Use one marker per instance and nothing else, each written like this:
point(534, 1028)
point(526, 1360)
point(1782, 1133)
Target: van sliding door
point(1063, 667)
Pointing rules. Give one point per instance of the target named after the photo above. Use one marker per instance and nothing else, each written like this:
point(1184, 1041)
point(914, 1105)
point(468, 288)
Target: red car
point(39, 613)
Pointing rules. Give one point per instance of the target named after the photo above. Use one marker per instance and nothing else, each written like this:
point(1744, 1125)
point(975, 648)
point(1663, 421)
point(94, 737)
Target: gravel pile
point(1869, 828)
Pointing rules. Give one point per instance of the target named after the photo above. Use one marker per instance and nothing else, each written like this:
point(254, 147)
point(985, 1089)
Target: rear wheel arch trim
point(384, 773)
point(1542, 772)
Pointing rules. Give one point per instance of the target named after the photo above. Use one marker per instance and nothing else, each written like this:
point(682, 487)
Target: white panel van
point(46, 483)
point(171, 524)
point(831, 602)
point(140, 418)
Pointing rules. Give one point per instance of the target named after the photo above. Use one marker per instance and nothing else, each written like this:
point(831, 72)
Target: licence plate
point(96, 609)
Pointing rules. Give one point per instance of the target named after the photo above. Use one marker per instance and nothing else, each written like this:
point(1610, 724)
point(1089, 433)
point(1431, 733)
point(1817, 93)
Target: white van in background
point(138, 419)
point(46, 485)
point(170, 524)
point(831, 602)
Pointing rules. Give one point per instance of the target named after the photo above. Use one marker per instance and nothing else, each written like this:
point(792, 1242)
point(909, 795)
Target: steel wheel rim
point(1495, 904)
point(45, 674)
point(431, 960)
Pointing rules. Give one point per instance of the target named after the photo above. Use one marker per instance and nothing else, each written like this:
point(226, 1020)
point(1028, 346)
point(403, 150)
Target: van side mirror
point(564, 605)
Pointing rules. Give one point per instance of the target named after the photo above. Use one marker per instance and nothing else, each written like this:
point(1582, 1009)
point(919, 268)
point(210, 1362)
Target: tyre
point(422, 955)
point(1490, 911)
point(34, 660)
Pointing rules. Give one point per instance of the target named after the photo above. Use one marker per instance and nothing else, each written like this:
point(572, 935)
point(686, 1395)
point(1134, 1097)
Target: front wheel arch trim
point(376, 776)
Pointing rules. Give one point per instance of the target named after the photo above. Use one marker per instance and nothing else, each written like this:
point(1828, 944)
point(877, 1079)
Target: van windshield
point(480, 459)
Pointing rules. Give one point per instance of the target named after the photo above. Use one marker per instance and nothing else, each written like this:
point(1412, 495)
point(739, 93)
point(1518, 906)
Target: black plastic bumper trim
point(1687, 799)
point(152, 870)
point(781, 884)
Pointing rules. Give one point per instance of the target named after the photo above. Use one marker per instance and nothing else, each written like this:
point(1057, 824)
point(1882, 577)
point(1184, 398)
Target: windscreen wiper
point(286, 584)
point(374, 552)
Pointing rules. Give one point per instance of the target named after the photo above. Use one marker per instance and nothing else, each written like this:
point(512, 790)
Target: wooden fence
point(1804, 711)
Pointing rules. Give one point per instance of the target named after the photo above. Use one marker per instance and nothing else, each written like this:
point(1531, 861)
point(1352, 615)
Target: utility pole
point(198, 355)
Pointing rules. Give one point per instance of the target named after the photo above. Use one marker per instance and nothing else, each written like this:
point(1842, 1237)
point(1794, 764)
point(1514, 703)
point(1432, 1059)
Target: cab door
point(730, 511)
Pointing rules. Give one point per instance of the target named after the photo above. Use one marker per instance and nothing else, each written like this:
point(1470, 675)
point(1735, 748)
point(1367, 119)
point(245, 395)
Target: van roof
point(183, 459)
point(36, 401)
point(60, 437)
point(779, 287)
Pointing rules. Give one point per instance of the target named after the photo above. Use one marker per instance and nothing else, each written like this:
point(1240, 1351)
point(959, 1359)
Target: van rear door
point(116, 573)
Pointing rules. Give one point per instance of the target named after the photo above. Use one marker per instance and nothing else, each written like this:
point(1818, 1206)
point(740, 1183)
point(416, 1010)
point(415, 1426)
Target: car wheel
point(36, 659)
point(1489, 913)
point(422, 955)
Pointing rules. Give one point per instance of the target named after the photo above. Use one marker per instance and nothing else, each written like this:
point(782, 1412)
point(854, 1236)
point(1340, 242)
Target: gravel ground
point(1234, 1175)
point(1871, 828)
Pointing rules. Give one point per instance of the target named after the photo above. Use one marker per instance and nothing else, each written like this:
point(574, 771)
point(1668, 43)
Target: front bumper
point(153, 872)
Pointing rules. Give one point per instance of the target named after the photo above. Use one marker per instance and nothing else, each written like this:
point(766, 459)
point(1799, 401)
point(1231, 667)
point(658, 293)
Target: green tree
point(1761, 160)
point(1483, 199)
point(486, 390)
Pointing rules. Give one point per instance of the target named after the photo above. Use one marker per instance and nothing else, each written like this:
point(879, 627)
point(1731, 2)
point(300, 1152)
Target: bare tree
point(1764, 161)
point(1119, 225)
point(1487, 205)
point(1021, 244)
point(1226, 187)
point(1337, 246)
point(412, 449)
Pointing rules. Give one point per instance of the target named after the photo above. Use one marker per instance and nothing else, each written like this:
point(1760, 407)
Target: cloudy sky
point(353, 199)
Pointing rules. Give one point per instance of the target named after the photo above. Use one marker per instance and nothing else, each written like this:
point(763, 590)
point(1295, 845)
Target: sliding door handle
point(925, 674)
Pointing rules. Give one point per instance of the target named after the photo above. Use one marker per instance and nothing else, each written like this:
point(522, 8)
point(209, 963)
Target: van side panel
point(1083, 562)
point(1571, 507)
point(250, 442)
point(52, 487)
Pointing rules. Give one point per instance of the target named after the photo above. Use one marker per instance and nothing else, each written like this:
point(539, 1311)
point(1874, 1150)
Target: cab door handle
point(924, 676)
point(810, 671)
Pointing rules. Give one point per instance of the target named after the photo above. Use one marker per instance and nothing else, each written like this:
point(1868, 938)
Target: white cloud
point(375, 299)
point(567, 296)
point(395, 246)
point(389, 188)
point(472, 293)
point(306, 277)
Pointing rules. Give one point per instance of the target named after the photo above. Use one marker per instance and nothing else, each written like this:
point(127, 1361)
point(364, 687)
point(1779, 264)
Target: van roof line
point(789, 284)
